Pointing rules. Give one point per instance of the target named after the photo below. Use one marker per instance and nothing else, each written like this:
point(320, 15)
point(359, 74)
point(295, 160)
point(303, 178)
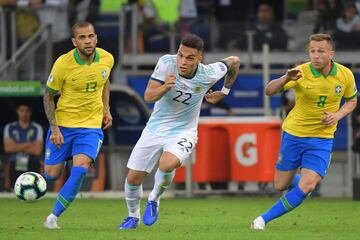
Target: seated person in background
point(231, 21)
point(347, 34)
point(268, 31)
point(327, 12)
point(163, 18)
point(23, 141)
point(349, 20)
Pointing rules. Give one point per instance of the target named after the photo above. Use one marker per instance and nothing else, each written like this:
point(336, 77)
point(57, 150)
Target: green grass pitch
point(205, 219)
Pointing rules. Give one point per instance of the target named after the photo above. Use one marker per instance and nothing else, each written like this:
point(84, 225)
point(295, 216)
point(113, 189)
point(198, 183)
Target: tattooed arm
point(49, 106)
point(107, 118)
point(233, 64)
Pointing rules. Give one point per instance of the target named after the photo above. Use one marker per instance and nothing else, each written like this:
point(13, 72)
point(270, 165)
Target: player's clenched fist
point(170, 81)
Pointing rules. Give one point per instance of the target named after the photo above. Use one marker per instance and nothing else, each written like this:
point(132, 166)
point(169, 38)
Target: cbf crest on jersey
point(104, 74)
point(338, 89)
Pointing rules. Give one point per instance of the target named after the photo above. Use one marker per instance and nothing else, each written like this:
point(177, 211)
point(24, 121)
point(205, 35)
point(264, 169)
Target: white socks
point(133, 196)
point(162, 181)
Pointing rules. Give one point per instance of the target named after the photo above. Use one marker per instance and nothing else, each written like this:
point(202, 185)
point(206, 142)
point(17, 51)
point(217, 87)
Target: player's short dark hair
point(193, 41)
point(81, 24)
point(321, 37)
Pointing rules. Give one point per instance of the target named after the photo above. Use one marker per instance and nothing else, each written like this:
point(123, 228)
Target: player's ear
point(74, 42)
point(200, 57)
point(332, 53)
point(96, 39)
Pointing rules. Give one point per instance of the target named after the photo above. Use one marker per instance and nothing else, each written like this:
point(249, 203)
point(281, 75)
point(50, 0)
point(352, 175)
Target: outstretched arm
point(49, 106)
point(107, 118)
point(233, 64)
point(275, 85)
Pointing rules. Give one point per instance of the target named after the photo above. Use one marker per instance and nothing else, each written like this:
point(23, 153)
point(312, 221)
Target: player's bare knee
point(134, 180)
point(82, 160)
point(169, 166)
point(307, 186)
point(280, 186)
point(52, 173)
point(83, 164)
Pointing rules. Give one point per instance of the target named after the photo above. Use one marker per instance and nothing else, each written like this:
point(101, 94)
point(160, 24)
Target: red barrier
point(211, 162)
point(235, 149)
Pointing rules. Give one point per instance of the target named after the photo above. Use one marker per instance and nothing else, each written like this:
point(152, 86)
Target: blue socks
point(285, 204)
point(295, 181)
point(69, 190)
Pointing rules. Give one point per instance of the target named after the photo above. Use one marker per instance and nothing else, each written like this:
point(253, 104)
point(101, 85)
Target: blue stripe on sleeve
point(157, 80)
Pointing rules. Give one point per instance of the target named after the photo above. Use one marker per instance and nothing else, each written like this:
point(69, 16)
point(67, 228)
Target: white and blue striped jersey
point(178, 110)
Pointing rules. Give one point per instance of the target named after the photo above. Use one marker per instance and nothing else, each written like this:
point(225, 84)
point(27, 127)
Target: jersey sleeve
point(6, 131)
point(40, 133)
point(350, 90)
point(160, 71)
point(288, 85)
point(56, 78)
point(217, 71)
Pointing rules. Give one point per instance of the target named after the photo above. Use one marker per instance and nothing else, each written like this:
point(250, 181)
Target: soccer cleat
point(129, 223)
point(51, 223)
point(258, 224)
point(151, 213)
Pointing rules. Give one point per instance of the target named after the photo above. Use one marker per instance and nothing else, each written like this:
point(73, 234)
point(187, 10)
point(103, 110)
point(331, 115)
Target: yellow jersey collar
point(80, 61)
point(332, 72)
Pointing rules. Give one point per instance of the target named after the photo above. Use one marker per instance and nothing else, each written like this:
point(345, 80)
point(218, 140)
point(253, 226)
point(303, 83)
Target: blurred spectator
point(56, 13)
point(268, 31)
point(27, 19)
point(83, 10)
point(23, 141)
point(163, 18)
point(8, 2)
point(231, 16)
point(347, 34)
point(349, 20)
point(327, 13)
point(27, 24)
point(107, 24)
point(355, 122)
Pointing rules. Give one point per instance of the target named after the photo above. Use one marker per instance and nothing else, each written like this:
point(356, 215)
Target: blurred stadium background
point(238, 139)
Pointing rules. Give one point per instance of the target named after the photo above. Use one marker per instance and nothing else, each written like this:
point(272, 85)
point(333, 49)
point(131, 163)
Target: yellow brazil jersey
point(81, 85)
point(316, 94)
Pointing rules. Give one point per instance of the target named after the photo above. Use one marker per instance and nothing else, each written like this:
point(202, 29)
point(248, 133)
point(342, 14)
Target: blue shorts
point(86, 141)
point(304, 152)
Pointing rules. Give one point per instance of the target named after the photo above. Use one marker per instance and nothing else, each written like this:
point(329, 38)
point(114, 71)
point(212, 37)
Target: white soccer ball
point(30, 186)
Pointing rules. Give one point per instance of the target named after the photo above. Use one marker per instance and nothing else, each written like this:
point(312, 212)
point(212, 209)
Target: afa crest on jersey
point(104, 74)
point(197, 89)
point(338, 89)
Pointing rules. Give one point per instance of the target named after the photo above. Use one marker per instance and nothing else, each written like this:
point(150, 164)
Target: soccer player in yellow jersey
point(308, 130)
point(81, 77)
